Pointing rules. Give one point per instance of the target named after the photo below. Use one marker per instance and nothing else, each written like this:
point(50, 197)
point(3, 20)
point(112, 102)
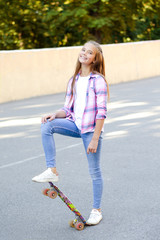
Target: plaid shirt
point(96, 101)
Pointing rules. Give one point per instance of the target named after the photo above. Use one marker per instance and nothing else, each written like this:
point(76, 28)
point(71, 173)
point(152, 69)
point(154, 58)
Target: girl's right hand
point(49, 117)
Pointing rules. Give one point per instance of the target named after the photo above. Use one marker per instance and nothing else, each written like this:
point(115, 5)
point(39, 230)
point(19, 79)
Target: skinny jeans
point(68, 128)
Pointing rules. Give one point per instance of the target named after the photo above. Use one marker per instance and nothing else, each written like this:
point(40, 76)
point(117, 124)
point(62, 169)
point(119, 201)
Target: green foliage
point(26, 24)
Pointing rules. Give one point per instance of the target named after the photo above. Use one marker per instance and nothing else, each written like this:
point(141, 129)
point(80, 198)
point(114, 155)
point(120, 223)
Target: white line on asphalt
point(38, 156)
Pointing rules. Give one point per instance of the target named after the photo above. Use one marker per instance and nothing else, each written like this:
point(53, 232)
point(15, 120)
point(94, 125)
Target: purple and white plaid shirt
point(96, 102)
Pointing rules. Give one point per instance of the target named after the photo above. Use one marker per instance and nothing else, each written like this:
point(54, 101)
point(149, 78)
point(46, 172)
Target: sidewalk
point(130, 163)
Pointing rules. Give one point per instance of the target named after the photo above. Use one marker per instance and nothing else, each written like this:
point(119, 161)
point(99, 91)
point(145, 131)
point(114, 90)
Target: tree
point(148, 22)
point(26, 24)
point(22, 25)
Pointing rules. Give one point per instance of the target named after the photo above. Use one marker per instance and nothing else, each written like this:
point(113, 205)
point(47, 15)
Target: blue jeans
point(68, 128)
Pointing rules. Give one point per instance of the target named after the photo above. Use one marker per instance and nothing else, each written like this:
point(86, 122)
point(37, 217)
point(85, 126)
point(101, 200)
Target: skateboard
point(52, 192)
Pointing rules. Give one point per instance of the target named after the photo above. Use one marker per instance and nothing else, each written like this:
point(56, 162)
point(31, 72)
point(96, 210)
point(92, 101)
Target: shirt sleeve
point(68, 103)
point(101, 97)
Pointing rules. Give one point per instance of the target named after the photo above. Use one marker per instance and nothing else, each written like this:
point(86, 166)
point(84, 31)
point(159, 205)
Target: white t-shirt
point(80, 99)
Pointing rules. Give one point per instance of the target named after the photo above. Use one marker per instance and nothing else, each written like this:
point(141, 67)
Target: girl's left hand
point(92, 147)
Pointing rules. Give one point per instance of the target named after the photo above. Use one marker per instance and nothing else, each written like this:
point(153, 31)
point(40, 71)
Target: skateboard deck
point(52, 192)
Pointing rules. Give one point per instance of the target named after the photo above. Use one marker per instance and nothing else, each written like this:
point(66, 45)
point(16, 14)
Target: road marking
point(35, 157)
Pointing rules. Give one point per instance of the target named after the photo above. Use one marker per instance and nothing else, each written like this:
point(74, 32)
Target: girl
point(83, 117)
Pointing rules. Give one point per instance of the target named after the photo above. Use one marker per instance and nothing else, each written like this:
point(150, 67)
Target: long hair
point(98, 67)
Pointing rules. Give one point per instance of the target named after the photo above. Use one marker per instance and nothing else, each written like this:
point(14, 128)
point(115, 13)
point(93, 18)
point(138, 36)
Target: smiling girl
point(83, 117)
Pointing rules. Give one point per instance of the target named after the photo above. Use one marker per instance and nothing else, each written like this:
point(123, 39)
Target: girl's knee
point(45, 128)
point(95, 174)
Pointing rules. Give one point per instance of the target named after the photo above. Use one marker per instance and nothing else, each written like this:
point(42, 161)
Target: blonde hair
point(98, 67)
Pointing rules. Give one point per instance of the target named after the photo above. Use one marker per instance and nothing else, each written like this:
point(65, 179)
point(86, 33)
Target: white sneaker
point(94, 218)
point(46, 176)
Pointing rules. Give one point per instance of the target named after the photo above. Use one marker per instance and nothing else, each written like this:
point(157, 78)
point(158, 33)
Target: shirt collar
point(91, 75)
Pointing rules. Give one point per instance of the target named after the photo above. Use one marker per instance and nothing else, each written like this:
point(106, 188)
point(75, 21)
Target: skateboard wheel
point(79, 226)
point(45, 191)
point(71, 223)
point(52, 194)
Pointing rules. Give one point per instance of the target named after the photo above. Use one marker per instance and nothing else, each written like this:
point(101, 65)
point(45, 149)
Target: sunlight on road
point(132, 116)
point(122, 104)
point(115, 134)
point(21, 122)
point(12, 135)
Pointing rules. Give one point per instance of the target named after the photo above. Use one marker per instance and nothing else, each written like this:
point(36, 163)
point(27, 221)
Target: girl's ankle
point(98, 209)
point(54, 170)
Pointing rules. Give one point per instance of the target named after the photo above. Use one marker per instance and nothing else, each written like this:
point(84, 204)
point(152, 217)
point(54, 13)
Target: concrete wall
point(30, 73)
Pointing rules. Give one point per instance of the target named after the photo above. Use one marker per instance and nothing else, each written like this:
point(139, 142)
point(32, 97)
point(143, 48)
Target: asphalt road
point(130, 162)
